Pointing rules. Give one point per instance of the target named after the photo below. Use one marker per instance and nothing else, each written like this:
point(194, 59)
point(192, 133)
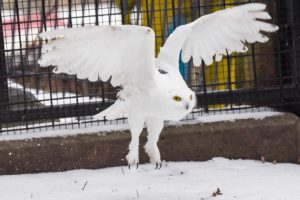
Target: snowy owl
point(153, 90)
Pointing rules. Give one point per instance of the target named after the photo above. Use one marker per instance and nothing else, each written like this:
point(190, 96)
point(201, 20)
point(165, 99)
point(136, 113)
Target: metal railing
point(33, 98)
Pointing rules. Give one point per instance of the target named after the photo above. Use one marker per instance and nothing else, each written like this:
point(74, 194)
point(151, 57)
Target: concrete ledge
point(275, 138)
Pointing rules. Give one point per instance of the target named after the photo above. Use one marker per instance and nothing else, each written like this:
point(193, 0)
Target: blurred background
point(35, 99)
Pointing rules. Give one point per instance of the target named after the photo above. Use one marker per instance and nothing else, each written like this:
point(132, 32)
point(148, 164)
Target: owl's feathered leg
point(154, 128)
point(136, 127)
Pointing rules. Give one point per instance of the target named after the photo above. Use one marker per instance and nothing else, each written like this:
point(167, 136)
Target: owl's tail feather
point(115, 111)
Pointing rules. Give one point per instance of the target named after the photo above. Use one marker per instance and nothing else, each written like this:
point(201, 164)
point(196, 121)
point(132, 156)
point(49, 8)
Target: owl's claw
point(158, 165)
point(137, 166)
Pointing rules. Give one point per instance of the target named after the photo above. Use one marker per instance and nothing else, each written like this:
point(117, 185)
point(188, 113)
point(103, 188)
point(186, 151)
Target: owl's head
point(183, 100)
point(179, 99)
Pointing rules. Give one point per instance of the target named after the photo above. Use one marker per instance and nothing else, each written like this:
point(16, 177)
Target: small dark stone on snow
point(217, 193)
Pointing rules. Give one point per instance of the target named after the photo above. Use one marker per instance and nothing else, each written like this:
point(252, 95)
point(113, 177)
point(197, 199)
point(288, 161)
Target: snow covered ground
point(54, 98)
point(236, 179)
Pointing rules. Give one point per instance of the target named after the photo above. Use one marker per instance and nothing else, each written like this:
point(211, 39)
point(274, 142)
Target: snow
point(54, 98)
point(237, 116)
point(70, 130)
point(236, 179)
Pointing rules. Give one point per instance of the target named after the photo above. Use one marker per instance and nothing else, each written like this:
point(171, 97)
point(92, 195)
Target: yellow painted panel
point(162, 17)
point(160, 12)
point(217, 73)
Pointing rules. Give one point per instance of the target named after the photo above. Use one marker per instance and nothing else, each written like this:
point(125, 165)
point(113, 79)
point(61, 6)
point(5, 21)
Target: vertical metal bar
point(27, 29)
point(110, 12)
point(179, 12)
point(12, 56)
point(83, 12)
point(228, 58)
point(77, 100)
point(147, 12)
point(97, 12)
point(173, 15)
point(4, 100)
point(70, 23)
point(44, 16)
point(291, 15)
point(199, 8)
point(254, 75)
point(296, 12)
point(123, 14)
point(97, 23)
point(138, 11)
point(279, 60)
point(254, 71)
point(51, 97)
point(204, 87)
point(165, 24)
point(22, 58)
point(151, 14)
point(44, 26)
point(56, 17)
point(229, 83)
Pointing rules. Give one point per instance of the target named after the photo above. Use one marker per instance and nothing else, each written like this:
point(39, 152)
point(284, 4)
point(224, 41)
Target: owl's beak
point(187, 106)
point(190, 106)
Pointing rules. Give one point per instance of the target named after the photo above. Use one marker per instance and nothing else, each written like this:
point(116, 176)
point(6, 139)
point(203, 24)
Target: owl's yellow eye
point(177, 98)
point(191, 97)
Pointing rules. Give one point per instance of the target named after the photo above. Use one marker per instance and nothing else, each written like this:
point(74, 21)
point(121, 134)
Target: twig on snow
point(84, 185)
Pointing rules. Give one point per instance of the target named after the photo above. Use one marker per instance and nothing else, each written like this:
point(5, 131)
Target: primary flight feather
point(153, 90)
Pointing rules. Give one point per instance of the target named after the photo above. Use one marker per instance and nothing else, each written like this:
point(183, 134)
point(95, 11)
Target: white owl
point(153, 90)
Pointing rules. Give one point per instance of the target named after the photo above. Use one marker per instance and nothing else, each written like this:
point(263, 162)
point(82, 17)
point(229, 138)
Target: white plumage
point(125, 56)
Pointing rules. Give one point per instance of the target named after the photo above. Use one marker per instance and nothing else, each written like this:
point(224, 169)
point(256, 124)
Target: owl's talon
point(137, 166)
point(158, 166)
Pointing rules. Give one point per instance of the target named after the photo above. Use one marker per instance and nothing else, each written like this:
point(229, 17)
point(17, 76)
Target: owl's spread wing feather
point(213, 36)
point(123, 53)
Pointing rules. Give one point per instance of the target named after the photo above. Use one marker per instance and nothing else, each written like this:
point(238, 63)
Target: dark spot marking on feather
point(162, 71)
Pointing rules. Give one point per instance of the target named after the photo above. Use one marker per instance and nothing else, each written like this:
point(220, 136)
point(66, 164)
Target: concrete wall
point(275, 138)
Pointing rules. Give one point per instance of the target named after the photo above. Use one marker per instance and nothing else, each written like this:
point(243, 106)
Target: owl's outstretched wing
point(213, 36)
point(124, 54)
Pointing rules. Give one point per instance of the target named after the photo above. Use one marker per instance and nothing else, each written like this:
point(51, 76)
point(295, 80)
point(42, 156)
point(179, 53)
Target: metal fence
point(34, 99)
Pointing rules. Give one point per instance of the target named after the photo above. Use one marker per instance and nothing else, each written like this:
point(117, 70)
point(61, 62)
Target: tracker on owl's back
point(152, 92)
